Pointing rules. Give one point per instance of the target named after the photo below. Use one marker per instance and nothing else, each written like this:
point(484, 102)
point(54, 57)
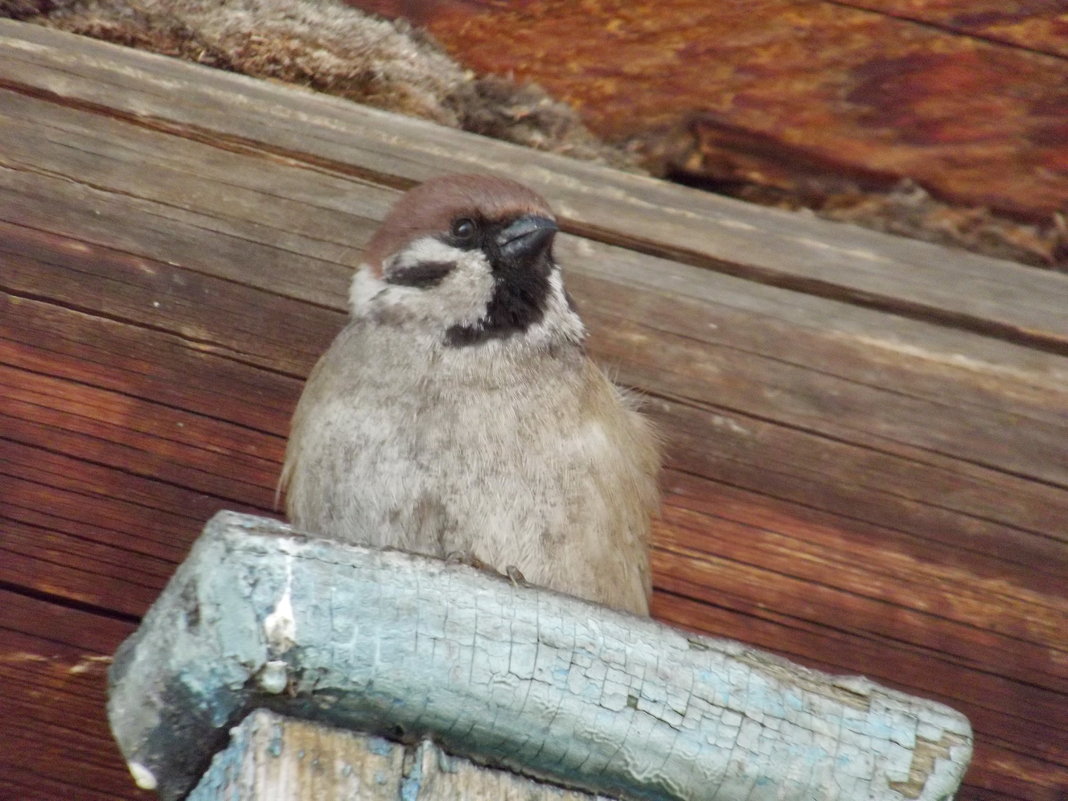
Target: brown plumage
point(430, 207)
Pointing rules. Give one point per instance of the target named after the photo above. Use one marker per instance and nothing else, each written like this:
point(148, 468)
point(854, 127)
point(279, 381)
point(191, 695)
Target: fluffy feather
point(515, 449)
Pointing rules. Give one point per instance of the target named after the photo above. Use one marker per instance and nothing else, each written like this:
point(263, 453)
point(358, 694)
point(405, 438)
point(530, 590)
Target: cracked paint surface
point(527, 679)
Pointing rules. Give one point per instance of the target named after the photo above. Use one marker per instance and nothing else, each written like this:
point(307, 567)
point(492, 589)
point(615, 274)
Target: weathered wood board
point(867, 467)
point(648, 216)
point(287, 759)
point(1039, 26)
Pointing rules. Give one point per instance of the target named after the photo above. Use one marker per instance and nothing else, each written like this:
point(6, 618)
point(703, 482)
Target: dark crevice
point(68, 603)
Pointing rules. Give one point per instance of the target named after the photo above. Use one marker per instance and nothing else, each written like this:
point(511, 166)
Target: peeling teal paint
point(629, 706)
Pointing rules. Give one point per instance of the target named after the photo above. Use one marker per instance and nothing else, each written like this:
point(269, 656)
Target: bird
point(458, 411)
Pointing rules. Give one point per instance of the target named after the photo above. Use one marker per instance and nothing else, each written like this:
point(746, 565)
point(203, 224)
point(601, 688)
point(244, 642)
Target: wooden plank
point(939, 578)
point(698, 346)
point(56, 739)
point(211, 457)
point(123, 182)
point(292, 760)
point(867, 95)
point(132, 287)
point(667, 367)
point(1041, 514)
point(108, 429)
point(1037, 25)
point(1044, 623)
point(141, 362)
point(867, 485)
point(71, 560)
point(764, 245)
point(765, 596)
point(66, 487)
point(895, 596)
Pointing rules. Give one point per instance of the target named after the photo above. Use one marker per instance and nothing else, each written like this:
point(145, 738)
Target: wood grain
point(873, 97)
point(1040, 26)
point(868, 468)
point(56, 738)
point(292, 760)
point(321, 133)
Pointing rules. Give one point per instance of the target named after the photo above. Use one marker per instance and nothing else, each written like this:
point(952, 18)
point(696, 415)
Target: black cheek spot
point(423, 275)
point(459, 336)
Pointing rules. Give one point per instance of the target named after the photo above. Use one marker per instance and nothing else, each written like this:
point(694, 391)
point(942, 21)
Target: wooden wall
point(867, 467)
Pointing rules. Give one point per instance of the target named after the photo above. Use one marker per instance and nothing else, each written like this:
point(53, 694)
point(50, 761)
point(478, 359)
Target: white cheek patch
point(425, 249)
point(460, 298)
point(365, 287)
point(469, 288)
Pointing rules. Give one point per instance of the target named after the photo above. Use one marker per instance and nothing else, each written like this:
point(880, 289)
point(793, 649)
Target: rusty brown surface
point(834, 89)
point(1038, 25)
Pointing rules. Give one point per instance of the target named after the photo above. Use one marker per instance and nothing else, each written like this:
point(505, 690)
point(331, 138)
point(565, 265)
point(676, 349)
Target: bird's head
point(467, 259)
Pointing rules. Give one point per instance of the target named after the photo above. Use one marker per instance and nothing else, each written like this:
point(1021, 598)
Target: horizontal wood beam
point(768, 246)
point(541, 683)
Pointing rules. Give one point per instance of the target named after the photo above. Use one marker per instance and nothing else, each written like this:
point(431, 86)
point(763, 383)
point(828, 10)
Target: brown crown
point(431, 207)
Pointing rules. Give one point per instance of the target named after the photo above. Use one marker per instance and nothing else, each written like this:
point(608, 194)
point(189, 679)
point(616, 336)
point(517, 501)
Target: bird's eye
point(464, 229)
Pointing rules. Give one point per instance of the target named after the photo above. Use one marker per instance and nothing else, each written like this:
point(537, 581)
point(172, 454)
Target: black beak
point(526, 238)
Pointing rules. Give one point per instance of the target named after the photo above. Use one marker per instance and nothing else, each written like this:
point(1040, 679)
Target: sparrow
point(459, 412)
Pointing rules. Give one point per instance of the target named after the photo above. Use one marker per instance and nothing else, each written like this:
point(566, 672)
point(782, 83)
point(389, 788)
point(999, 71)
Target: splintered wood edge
point(547, 685)
point(299, 760)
